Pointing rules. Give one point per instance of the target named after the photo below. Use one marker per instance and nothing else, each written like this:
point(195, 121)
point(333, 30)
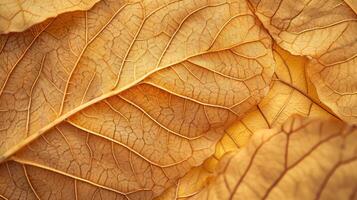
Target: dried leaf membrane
point(17, 16)
point(325, 31)
point(133, 80)
point(321, 154)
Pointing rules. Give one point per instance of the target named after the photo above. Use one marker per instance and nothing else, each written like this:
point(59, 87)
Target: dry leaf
point(16, 16)
point(130, 99)
point(325, 31)
point(125, 98)
point(291, 93)
point(55, 72)
point(305, 159)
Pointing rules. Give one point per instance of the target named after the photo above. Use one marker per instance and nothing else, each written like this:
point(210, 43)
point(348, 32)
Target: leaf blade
point(324, 32)
point(94, 65)
point(18, 16)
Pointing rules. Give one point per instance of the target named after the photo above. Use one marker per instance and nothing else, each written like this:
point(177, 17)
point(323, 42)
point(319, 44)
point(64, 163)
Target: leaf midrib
point(12, 150)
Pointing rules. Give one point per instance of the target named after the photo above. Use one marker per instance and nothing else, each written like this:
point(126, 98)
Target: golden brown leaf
point(64, 65)
point(291, 93)
point(325, 31)
point(304, 159)
point(117, 144)
point(17, 16)
point(125, 98)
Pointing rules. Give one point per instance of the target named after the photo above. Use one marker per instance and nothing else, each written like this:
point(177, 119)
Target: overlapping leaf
point(146, 89)
point(122, 100)
point(305, 159)
point(325, 31)
point(16, 16)
point(291, 93)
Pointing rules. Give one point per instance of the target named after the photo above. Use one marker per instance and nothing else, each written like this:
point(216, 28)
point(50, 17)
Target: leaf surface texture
point(291, 93)
point(321, 154)
point(92, 99)
point(324, 31)
point(17, 16)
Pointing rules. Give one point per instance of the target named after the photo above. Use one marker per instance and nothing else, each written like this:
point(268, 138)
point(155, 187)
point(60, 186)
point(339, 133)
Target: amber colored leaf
point(17, 16)
point(304, 159)
point(64, 65)
point(118, 144)
point(291, 93)
point(125, 98)
point(324, 31)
